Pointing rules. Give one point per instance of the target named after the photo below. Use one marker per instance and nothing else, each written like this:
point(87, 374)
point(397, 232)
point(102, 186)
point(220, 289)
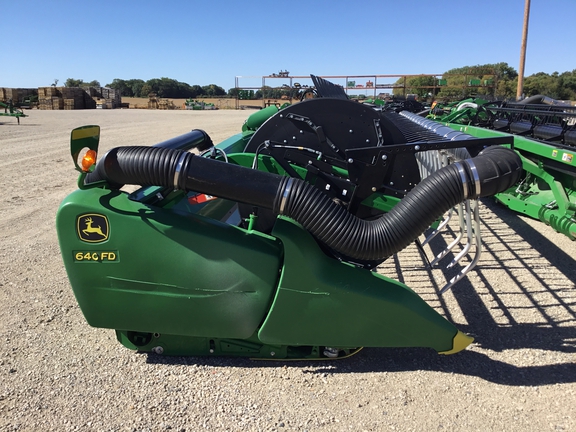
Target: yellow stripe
point(93, 131)
point(460, 342)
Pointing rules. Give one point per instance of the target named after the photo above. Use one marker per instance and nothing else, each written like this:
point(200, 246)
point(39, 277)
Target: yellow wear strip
point(460, 342)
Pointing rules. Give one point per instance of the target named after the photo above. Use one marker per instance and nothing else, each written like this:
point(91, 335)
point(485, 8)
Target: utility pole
point(520, 88)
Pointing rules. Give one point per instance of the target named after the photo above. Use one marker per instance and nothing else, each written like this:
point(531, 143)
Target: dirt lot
point(57, 373)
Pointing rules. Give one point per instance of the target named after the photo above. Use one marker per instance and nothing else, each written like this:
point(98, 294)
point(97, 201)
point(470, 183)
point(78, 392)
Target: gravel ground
point(57, 373)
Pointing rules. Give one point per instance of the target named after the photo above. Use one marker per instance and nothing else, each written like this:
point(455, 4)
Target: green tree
point(135, 86)
point(146, 90)
point(168, 88)
point(196, 90)
point(153, 85)
point(128, 88)
point(213, 90)
point(267, 92)
point(506, 89)
point(423, 86)
point(542, 83)
point(71, 82)
point(504, 71)
point(569, 84)
point(488, 80)
point(121, 86)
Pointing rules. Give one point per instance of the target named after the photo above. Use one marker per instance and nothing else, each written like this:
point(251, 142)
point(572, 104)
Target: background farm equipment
point(11, 111)
point(466, 111)
point(192, 104)
point(545, 137)
point(266, 244)
point(396, 104)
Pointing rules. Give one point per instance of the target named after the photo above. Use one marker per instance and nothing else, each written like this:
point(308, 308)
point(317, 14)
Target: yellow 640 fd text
point(98, 256)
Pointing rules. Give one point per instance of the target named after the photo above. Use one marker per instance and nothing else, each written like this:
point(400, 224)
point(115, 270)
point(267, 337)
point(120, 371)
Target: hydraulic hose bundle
point(492, 171)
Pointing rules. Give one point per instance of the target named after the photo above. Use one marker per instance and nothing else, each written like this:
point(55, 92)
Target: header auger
point(265, 245)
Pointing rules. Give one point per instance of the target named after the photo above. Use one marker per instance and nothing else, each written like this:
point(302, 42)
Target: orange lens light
point(88, 160)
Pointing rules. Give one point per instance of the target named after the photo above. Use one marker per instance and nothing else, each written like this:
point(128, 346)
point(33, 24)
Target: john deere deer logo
point(92, 228)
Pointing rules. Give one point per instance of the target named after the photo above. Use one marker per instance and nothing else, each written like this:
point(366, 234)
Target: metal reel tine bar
point(477, 241)
point(451, 246)
point(469, 233)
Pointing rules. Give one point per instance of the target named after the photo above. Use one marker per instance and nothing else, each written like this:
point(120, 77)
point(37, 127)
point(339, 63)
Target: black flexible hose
point(195, 139)
point(146, 166)
point(493, 170)
point(153, 166)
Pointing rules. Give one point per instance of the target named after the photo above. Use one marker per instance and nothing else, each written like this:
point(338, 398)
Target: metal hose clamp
point(475, 176)
point(464, 178)
point(178, 168)
point(285, 194)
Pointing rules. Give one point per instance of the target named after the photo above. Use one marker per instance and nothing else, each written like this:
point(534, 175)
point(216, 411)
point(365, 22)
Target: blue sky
point(211, 42)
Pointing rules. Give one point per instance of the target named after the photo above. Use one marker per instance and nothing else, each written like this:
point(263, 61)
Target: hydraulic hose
point(493, 170)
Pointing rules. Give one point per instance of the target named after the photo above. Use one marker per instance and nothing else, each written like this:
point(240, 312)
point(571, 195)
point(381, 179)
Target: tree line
point(162, 87)
point(496, 81)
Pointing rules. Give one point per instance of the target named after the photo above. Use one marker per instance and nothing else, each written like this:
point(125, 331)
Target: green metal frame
point(453, 113)
point(547, 191)
point(11, 111)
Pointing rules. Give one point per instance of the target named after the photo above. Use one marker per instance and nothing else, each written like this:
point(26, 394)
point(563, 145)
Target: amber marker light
point(88, 160)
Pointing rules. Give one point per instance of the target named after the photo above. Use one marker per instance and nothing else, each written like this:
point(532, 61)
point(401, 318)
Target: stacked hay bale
point(73, 98)
point(96, 97)
point(50, 98)
point(105, 97)
point(152, 101)
point(89, 102)
point(16, 95)
point(165, 104)
point(111, 96)
point(53, 98)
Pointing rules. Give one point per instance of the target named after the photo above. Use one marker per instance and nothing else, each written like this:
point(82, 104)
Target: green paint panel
point(321, 301)
point(172, 273)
